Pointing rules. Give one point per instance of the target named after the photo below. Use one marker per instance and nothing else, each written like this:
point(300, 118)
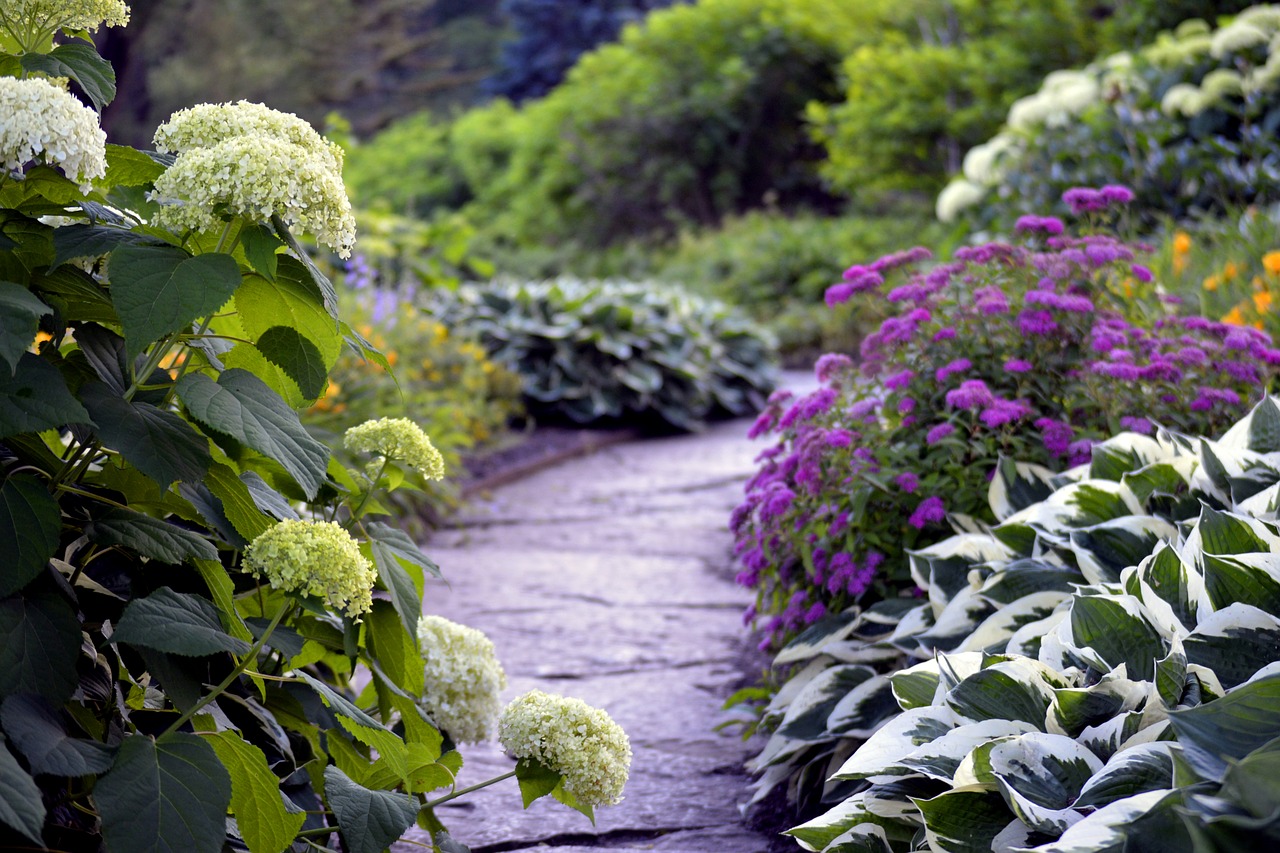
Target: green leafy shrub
point(602, 350)
point(407, 168)
point(187, 582)
point(1187, 122)
point(1104, 664)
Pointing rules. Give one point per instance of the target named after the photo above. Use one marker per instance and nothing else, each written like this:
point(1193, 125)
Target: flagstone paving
point(609, 578)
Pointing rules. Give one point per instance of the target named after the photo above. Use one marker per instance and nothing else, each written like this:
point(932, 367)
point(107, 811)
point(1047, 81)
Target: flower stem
point(249, 656)
point(461, 791)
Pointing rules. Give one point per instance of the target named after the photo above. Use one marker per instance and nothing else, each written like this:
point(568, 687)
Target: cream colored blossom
point(987, 164)
point(956, 196)
point(399, 439)
point(1182, 99)
point(1235, 37)
point(256, 177)
point(38, 120)
point(317, 558)
point(581, 743)
point(206, 125)
point(463, 679)
point(66, 14)
point(1221, 83)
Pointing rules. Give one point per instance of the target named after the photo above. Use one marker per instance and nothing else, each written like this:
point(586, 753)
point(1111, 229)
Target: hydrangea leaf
point(163, 796)
point(129, 167)
point(32, 723)
point(157, 442)
point(265, 824)
point(395, 649)
point(260, 247)
point(536, 780)
point(291, 299)
point(21, 804)
point(30, 528)
point(77, 296)
point(73, 242)
point(238, 503)
point(297, 356)
point(20, 313)
point(35, 398)
point(151, 537)
point(39, 645)
point(80, 62)
point(368, 820)
point(177, 623)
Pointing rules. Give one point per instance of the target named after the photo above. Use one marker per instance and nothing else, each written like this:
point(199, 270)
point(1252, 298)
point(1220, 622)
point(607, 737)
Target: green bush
point(408, 168)
point(593, 351)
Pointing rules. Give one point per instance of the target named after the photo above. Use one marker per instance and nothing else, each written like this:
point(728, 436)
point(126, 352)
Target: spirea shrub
point(463, 679)
point(1017, 350)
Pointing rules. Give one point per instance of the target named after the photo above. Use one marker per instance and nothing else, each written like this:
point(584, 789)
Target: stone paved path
point(608, 578)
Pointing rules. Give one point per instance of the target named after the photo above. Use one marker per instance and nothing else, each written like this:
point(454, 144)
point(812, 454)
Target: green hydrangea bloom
point(581, 743)
point(317, 558)
point(39, 119)
point(65, 14)
point(463, 679)
point(206, 125)
point(399, 439)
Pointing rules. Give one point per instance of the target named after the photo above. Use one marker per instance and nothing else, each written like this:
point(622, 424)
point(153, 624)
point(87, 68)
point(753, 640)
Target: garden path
point(609, 578)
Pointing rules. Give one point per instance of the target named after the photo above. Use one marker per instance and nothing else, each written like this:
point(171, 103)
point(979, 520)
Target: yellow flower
point(1230, 270)
point(1271, 262)
point(41, 337)
point(1234, 317)
point(1211, 283)
point(1181, 243)
point(1262, 301)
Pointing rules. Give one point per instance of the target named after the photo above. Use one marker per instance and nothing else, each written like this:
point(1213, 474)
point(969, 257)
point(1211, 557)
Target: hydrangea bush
point(190, 582)
point(1023, 351)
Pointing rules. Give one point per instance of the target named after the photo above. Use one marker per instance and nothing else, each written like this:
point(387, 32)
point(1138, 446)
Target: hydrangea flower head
point(39, 119)
point(463, 679)
point(583, 744)
point(206, 125)
point(317, 558)
point(68, 14)
point(400, 439)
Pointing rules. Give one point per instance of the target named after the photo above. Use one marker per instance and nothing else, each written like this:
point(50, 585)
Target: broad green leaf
point(158, 290)
point(1013, 690)
point(297, 356)
point(806, 718)
point(1245, 578)
point(823, 831)
point(73, 242)
point(878, 757)
point(267, 499)
point(248, 357)
point(395, 649)
point(1176, 584)
point(105, 352)
point(177, 623)
point(291, 300)
point(151, 537)
point(1105, 550)
point(1106, 828)
point(1016, 486)
point(157, 442)
point(405, 588)
point(1223, 533)
point(1233, 726)
point(1234, 643)
point(222, 590)
point(1040, 776)
point(939, 759)
point(1115, 629)
point(1141, 768)
point(20, 313)
point(963, 821)
point(1264, 427)
point(40, 190)
point(242, 406)
point(128, 167)
point(327, 291)
point(264, 823)
point(338, 703)
point(35, 399)
point(33, 724)
point(861, 711)
point(164, 797)
point(21, 804)
point(77, 296)
point(260, 247)
point(810, 641)
point(237, 502)
point(80, 62)
point(1255, 783)
point(30, 527)
point(536, 780)
point(39, 645)
point(369, 820)
point(1116, 457)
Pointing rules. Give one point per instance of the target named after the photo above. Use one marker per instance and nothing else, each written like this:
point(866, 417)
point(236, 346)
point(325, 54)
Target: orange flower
point(1234, 317)
point(1211, 283)
point(1181, 243)
point(1271, 262)
point(41, 337)
point(1262, 301)
point(1230, 270)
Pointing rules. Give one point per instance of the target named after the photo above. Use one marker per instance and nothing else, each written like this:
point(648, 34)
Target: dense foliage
point(1188, 122)
point(1103, 673)
point(1020, 351)
point(593, 351)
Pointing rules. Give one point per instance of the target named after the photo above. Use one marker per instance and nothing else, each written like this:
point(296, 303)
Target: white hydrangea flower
point(68, 14)
point(400, 439)
point(40, 120)
point(1235, 37)
point(317, 558)
point(463, 679)
point(1221, 83)
point(1192, 27)
point(1264, 17)
point(1029, 112)
point(987, 164)
point(256, 177)
point(581, 743)
point(206, 125)
point(955, 197)
point(1182, 99)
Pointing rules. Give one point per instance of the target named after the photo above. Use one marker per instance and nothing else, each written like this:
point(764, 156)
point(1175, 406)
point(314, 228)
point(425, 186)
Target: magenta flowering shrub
point(1025, 351)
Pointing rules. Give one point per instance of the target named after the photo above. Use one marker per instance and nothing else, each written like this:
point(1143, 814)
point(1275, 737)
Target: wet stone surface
point(609, 578)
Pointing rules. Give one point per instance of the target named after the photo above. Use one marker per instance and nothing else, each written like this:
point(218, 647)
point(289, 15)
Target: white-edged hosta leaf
point(925, 683)
point(1074, 709)
point(940, 758)
point(806, 718)
point(1118, 630)
point(1027, 640)
point(863, 709)
point(1016, 689)
point(957, 621)
point(943, 569)
point(864, 838)
point(789, 691)
point(1020, 578)
point(1165, 576)
point(1171, 674)
point(1040, 776)
point(1234, 642)
point(963, 821)
point(994, 632)
point(1223, 533)
point(1110, 736)
point(1171, 478)
point(878, 757)
point(1104, 550)
point(1146, 767)
point(914, 622)
point(811, 641)
point(825, 830)
point(1120, 454)
point(1017, 485)
point(1246, 578)
point(1258, 431)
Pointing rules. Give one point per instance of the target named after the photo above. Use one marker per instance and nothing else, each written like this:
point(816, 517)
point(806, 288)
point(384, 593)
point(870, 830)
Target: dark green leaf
point(402, 546)
point(260, 247)
point(369, 820)
point(242, 406)
point(264, 823)
point(158, 443)
point(177, 623)
point(964, 821)
point(21, 805)
point(41, 190)
point(20, 313)
point(93, 241)
point(1233, 726)
point(394, 648)
point(447, 844)
point(158, 290)
point(32, 723)
point(267, 499)
point(36, 398)
point(169, 796)
point(339, 704)
point(129, 167)
point(291, 300)
point(151, 537)
point(39, 645)
point(296, 356)
point(327, 290)
point(105, 352)
point(404, 593)
point(82, 64)
point(1223, 533)
point(1264, 427)
point(30, 525)
point(237, 503)
point(1117, 635)
point(77, 295)
point(536, 781)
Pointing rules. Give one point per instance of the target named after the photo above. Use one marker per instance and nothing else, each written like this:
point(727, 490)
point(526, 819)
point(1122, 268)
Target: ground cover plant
point(190, 581)
point(1098, 670)
point(1188, 122)
point(596, 351)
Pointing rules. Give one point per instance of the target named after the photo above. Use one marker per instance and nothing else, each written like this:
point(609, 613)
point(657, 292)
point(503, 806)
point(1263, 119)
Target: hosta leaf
point(842, 822)
point(1114, 458)
point(39, 645)
point(963, 821)
point(806, 719)
point(1146, 767)
point(1254, 783)
point(157, 442)
point(175, 622)
point(1106, 828)
point(158, 290)
point(1234, 642)
point(1233, 726)
point(1245, 578)
point(995, 631)
point(1040, 776)
point(242, 406)
point(1016, 486)
point(861, 711)
point(1175, 583)
point(369, 820)
point(810, 641)
point(151, 537)
point(33, 724)
point(895, 740)
point(20, 313)
point(917, 686)
point(164, 797)
point(1104, 550)
point(1097, 501)
point(939, 759)
point(264, 823)
point(1115, 629)
point(35, 398)
point(1076, 708)
point(1264, 427)
point(80, 62)
point(1018, 689)
point(30, 527)
point(1223, 533)
point(21, 804)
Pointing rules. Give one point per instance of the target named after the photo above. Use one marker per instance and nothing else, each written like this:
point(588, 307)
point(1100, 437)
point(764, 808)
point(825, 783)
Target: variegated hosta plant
point(1100, 670)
